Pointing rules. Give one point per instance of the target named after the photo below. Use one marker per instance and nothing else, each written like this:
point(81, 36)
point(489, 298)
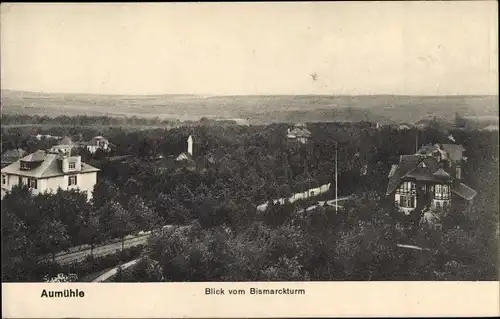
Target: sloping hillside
point(257, 108)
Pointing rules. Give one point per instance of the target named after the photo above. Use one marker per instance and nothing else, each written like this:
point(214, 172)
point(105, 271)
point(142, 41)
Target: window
point(72, 180)
point(407, 188)
point(72, 165)
point(20, 180)
point(407, 201)
point(442, 192)
point(25, 166)
point(4, 179)
point(32, 183)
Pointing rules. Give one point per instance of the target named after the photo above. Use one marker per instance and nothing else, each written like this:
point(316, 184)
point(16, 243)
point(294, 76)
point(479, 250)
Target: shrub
point(90, 265)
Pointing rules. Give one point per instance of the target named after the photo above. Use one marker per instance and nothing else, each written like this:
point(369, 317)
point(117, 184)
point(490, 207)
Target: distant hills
point(258, 109)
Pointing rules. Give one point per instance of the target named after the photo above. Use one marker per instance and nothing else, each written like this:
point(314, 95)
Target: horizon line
point(249, 94)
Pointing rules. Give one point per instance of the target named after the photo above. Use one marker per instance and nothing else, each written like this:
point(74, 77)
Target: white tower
point(190, 145)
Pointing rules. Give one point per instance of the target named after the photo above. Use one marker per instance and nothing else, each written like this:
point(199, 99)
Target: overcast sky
point(430, 48)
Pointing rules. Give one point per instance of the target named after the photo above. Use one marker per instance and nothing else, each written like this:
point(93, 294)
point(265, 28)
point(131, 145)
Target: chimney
point(65, 164)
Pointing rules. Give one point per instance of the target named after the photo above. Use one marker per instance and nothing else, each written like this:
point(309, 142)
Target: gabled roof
point(409, 166)
point(50, 167)
point(406, 163)
point(464, 191)
point(425, 170)
point(441, 173)
point(183, 157)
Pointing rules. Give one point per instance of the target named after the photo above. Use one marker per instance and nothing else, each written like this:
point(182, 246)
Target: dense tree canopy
point(236, 168)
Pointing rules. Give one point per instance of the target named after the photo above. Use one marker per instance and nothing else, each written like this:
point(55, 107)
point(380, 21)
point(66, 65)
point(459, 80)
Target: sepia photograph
point(249, 142)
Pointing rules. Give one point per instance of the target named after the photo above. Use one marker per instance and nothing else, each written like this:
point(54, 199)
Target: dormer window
point(25, 166)
point(72, 165)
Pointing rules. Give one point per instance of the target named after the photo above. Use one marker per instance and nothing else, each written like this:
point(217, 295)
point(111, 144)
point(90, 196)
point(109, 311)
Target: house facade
point(404, 127)
point(429, 180)
point(299, 134)
point(98, 142)
point(46, 171)
point(65, 146)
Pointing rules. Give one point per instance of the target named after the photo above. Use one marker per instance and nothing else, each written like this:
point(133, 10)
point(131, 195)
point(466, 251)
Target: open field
point(261, 109)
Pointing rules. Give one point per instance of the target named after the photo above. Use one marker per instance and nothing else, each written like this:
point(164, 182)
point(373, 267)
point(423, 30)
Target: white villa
point(47, 171)
point(98, 142)
point(299, 133)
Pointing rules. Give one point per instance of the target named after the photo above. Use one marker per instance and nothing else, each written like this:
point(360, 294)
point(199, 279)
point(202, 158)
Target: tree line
point(235, 168)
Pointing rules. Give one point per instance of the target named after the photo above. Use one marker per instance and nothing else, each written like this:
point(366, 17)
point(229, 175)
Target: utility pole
point(416, 141)
point(287, 175)
point(336, 179)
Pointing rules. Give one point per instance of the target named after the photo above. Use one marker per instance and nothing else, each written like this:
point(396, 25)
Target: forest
point(211, 200)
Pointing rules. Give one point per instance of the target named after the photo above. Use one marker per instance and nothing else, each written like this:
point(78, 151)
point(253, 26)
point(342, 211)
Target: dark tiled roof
point(394, 167)
point(421, 174)
point(431, 163)
point(406, 163)
point(464, 191)
point(441, 173)
point(409, 167)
